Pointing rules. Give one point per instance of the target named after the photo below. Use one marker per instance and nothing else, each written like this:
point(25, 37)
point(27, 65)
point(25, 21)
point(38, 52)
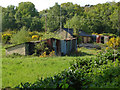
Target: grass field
point(29, 69)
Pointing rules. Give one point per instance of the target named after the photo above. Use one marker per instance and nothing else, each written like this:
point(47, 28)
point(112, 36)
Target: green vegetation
point(100, 18)
point(85, 68)
point(21, 36)
point(93, 72)
point(17, 69)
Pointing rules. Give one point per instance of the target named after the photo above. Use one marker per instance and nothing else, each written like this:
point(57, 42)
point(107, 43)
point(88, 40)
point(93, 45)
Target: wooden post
point(45, 24)
point(119, 19)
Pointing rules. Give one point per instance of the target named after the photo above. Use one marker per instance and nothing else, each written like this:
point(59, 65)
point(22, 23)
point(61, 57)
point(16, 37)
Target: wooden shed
point(60, 46)
point(101, 38)
point(68, 33)
point(63, 46)
point(65, 33)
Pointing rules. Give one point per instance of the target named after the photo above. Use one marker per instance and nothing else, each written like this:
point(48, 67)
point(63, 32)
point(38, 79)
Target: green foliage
point(36, 24)
point(65, 79)
point(21, 36)
point(79, 40)
point(74, 23)
point(83, 73)
point(6, 38)
point(8, 19)
point(34, 67)
point(107, 76)
point(53, 18)
point(27, 15)
point(90, 18)
point(41, 47)
point(105, 55)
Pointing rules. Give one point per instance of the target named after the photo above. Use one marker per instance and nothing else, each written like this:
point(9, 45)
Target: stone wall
point(20, 49)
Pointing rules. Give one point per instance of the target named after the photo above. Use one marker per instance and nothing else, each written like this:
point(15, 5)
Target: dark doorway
point(102, 39)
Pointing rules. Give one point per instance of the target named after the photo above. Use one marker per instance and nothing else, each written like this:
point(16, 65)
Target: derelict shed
point(68, 46)
point(68, 33)
point(26, 48)
point(65, 33)
point(63, 46)
point(101, 38)
point(54, 44)
point(86, 38)
point(60, 46)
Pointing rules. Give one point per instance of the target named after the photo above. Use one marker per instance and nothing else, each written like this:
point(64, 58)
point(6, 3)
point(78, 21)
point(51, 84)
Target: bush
point(114, 42)
point(99, 72)
point(6, 38)
point(21, 36)
point(107, 76)
point(105, 55)
point(35, 37)
point(41, 48)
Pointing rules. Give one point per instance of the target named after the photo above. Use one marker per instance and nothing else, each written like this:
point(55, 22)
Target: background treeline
point(100, 18)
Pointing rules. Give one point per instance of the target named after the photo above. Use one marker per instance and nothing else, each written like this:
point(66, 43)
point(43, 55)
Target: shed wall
point(106, 39)
point(20, 49)
point(63, 47)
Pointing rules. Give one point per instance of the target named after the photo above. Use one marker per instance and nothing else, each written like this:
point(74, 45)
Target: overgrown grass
point(28, 68)
point(17, 70)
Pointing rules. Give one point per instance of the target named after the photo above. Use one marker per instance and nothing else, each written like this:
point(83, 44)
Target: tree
point(25, 11)
point(36, 24)
point(8, 18)
point(74, 23)
point(53, 18)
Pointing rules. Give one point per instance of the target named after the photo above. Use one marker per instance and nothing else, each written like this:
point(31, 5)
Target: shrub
point(6, 37)
point(35, 37)
point(105, 55)
point(114, 42)
point(43, 54)
point(41, 49)
point(33, 33)
point(52, 53)
point(21, 36)
point(107, 76)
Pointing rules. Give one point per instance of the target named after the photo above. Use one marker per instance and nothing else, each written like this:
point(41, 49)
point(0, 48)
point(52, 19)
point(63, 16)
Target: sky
point(45, 4)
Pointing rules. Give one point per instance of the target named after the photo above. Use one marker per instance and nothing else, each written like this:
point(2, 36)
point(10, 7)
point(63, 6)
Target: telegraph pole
point(60, 20)
point(45, 23)
point(119, 19)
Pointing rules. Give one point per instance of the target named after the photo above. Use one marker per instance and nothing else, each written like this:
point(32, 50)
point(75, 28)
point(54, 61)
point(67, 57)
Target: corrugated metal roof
point(69, 31)
point(82, 33)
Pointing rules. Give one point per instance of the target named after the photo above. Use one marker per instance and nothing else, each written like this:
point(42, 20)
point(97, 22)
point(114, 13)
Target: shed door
point(68, 46)
point(58, 47)
point(54, 46)
point(63, 47)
